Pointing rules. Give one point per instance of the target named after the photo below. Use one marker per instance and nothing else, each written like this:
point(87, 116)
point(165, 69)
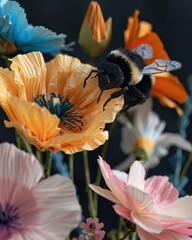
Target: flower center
point(7, 47)
point(62, 108)
point(8, 216)
point(92, 226)
point(143, 148)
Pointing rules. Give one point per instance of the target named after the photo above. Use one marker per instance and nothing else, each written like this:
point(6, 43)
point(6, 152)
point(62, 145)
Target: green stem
point(48, 164)
point(134, 236)
point(91, 206)
point(186, 166)
point(18, 140)
point(103, 155)
point(71, 166)
point(38, 155)
point(119, 227)
point(23, 144)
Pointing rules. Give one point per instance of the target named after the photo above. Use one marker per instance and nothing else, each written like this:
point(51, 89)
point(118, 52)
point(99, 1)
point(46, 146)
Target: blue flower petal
point(15, 28)
point(58, 164)
point(41, 39)
point(17, 17)
point(6, 28)
point(2, 2)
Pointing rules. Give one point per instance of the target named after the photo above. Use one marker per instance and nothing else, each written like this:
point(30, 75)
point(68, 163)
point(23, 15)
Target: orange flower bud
point(95, 33)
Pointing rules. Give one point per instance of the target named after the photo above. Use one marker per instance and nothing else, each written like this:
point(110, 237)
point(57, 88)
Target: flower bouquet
point(63, 109)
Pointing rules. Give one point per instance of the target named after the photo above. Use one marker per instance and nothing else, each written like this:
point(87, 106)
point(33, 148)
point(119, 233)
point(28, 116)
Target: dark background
point(171, 19)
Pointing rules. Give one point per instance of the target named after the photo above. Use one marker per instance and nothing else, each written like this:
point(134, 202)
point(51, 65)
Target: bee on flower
point(138, 33)
point(47, 105)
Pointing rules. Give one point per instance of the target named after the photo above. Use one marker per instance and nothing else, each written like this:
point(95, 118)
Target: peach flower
point(47, 104)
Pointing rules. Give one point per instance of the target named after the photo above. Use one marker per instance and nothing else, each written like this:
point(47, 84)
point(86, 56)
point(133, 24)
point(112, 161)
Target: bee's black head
point(130, 63)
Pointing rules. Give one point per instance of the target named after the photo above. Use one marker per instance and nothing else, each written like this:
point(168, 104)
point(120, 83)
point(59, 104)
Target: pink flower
point(152, 204)
point(92, 228)
point(30, 209)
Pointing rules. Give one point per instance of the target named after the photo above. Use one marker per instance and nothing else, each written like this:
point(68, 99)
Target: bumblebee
point(126, 69)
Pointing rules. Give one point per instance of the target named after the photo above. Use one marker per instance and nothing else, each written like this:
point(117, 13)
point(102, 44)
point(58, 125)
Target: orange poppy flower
point(141, 32)
point(95, 34)
point(47, 104)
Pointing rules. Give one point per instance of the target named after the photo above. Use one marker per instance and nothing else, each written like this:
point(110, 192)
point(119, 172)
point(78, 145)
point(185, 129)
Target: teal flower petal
point(26, 37)
point(2, 2)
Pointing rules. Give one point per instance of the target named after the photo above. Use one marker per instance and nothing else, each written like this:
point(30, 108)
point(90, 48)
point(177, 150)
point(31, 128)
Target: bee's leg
point(116, 95)
point(99, 96)
point(92, 71)
point(134, 91)
point(133, 97)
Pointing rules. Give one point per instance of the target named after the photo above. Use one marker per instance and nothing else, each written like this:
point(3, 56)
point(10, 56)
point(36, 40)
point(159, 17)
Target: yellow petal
point(30, 74)
point(39, 121)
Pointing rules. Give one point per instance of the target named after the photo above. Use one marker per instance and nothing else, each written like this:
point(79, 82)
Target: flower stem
point(48, 164)
point(186, 166)
point(134, 236)
point(103, 155)
point(119, 227)
point(22, 143)
point(91, 206)
point(38, 155)
point(71, 166)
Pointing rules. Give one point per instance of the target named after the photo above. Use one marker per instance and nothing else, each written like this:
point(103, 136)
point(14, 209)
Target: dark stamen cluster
point(10, 214)
point(62, 108)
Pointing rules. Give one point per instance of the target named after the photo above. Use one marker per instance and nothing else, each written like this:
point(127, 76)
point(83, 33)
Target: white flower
point(144, 138)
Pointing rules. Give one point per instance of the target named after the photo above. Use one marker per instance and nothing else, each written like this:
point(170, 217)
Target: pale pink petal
point(169, 235)
point(123, 212)
point(142, 209)
point(33, 234)
point(113, 182)
point(104, 193)
point(143, 235)
point(181, 208)
point(120, 175)
point(179, 226)
point(148, 222)
point(136, 199)
point(136, 175)
point(19, 166)
point(165, 235)
point(162, 191)
point(168, 139)
point(60, 211)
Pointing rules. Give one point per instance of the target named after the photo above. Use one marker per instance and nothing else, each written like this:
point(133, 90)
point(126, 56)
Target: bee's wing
point(160, 66)
point(144, 50)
